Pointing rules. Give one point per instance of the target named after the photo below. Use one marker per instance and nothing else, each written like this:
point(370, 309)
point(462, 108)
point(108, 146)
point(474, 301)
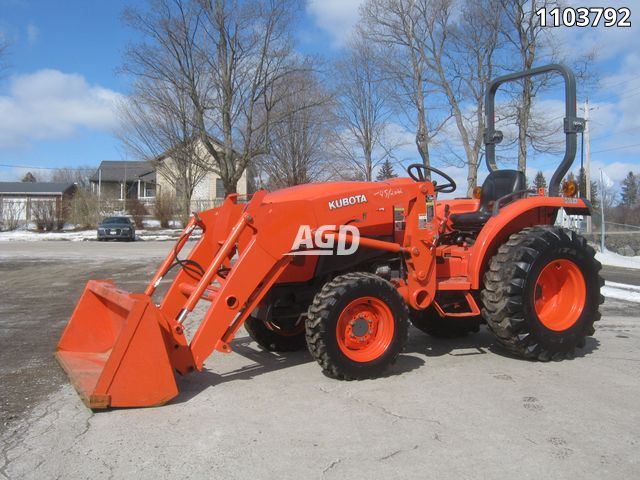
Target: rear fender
point(511, 219)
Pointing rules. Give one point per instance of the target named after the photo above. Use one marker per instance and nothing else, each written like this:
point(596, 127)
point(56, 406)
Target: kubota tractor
point(342, 268)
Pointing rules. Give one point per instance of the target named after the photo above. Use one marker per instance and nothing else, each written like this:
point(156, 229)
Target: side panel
point(513, 218)
point(459, 205)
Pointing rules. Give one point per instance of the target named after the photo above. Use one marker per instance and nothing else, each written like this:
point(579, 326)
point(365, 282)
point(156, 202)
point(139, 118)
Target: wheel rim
point(365, 329)
point(290, 331)
point(560, 295)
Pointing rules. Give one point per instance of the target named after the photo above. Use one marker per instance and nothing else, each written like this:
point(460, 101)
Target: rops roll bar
point(572, 124)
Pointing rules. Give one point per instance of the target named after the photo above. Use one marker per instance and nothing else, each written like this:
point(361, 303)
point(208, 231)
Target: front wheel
point(357, 326)
point(542, 293)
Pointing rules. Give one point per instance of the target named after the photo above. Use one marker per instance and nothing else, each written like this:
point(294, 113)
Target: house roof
point(118, 170)
point(35, 188)
point(149, 177)
point(212, 139)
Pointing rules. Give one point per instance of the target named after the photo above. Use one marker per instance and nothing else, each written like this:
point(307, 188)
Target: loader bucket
point(114, 350)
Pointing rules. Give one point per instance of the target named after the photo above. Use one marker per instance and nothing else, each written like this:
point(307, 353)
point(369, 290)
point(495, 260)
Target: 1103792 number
point(584, 17)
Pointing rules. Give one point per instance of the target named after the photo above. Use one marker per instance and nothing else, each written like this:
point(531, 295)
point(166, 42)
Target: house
point(122, 180)
point(208, 193)
point(18, 199)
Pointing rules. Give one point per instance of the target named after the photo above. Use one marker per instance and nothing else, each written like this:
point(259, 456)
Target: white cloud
point(617, 171)
point(336, 17)
point(607, 42)
point(614, 119)
point(32, 34)
point(50, 104)
point(15, 174)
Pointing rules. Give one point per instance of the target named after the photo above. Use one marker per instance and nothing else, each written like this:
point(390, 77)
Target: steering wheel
point(417, 172)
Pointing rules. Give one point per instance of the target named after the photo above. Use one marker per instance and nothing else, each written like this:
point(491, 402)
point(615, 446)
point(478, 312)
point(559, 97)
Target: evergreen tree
point(540, 181)
point(595, 199)
point(386, 171)
point(630, 190)
point(29, 178)
point(582, 183)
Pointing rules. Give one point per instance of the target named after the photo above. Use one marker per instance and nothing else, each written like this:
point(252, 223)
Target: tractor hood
point(314, 191)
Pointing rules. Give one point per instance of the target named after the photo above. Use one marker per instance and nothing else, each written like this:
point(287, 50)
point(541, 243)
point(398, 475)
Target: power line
point(617, 148)
point(604, 85)
point(614, 133)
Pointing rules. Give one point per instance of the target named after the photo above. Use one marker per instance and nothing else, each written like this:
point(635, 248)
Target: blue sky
point(56, 103)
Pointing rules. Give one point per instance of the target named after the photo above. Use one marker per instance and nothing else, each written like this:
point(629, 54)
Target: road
point(621, 275)
point(448, 409)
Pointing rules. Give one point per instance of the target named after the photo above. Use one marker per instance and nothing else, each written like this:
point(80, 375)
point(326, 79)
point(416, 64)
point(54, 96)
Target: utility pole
point(602, 193)
point(587, 159)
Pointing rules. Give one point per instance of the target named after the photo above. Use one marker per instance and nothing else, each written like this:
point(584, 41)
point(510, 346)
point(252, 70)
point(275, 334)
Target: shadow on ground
point(266, 362)
point(479, 343)
point(419, 347)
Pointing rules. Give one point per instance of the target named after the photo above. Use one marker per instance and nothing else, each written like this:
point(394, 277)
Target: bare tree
point(465, 74)
point(459, 50)
point(451, 57)
point(43, 213)
point(362, 138)
point(78, 175)
point(226, 57)
point(157, 126)
point(530, 41)
point(11, 214)
point(297, 140)
point(399, 28)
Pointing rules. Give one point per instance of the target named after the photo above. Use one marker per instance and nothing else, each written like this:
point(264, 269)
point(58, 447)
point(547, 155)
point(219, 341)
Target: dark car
point(117, 228)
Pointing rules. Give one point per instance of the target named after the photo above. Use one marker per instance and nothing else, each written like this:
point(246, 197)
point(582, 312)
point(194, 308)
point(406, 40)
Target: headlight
point(126, 229)
point(101, 230)
point(569, 188)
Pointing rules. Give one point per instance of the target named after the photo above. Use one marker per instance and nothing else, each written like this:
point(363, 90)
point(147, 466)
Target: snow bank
point(151, 223)
point(621, 291)
point(30, 236)
point(614, 260)
point(85, 235)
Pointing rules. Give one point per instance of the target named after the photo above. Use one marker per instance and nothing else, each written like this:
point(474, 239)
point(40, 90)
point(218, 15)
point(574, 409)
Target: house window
point(220, 192)
point(149, 190)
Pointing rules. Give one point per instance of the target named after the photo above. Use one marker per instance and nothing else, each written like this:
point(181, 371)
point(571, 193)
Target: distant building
point(144, 180)
point(119, 180)
point(18, 198)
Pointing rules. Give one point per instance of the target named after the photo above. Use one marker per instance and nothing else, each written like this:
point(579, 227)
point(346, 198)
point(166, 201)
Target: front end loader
point(341, 268)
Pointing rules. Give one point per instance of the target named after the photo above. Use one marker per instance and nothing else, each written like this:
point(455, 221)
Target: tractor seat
point(496, 185)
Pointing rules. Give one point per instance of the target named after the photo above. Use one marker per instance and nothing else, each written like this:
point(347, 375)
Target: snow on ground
point(83, 235)
point(156, 223)
point(621, 291)
point(614, 260)
point(31, 236)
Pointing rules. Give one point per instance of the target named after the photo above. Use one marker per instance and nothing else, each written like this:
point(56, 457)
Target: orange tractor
point(341, 268)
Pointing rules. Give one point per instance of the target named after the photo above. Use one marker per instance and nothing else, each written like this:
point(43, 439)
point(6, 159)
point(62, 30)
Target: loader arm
point(241, 254)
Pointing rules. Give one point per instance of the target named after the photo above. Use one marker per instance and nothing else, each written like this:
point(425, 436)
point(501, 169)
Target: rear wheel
point(285, 334)
point(542, 293)
point(357, 326)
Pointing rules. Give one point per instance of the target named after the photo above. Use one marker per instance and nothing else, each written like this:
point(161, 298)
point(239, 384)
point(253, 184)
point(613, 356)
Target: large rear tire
point(357, 326)
point(276, 334)
point(542, 293)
